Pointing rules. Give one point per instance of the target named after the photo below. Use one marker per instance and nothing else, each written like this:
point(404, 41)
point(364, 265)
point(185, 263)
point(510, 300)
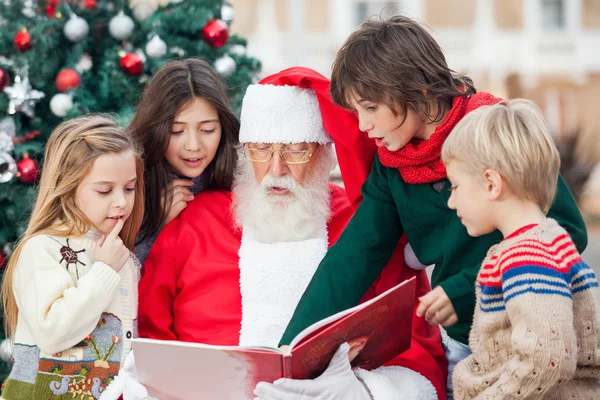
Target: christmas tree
point(61, 59)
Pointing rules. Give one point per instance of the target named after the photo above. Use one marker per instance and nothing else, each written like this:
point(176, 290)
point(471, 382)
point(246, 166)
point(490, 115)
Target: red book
point(377, 331)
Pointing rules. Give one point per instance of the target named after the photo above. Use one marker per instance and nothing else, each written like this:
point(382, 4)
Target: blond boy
point(536, 330)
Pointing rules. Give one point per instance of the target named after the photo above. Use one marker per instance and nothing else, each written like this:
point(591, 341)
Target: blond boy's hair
point(513, 139)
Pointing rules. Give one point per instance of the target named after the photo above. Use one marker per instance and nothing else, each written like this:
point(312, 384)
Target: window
point(553, 14)
point(367, 9)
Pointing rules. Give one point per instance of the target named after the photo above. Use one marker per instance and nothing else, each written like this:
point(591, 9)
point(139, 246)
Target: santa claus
point(232, 267)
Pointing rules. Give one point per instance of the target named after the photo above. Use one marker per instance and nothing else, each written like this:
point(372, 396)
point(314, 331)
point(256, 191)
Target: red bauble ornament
point(90, 4)
point(51, 6)
point(132, 64)
point(23, 41)
point(27, 170)
point(67, 79)
point(215, 33)
point(4, 81)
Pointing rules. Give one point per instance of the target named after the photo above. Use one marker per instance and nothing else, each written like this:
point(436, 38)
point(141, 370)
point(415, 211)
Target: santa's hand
point(437, 308)
point(337, 382)
point(126, 383)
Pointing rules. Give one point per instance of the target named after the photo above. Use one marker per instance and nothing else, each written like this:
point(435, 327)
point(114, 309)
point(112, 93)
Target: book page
point(173, 370)
point(377, 331)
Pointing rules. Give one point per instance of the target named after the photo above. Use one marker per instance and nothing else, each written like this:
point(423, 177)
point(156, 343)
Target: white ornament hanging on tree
point(6, 350)
point(8, 131)
point(227, 13)
point(76, 29)
point(60, 104)
point(225, 66)
point(8, 168)
point(142, 9)
point(85, 64)
point(237, 49)
point(22, 97)
point(121, 26)
point(156, 47)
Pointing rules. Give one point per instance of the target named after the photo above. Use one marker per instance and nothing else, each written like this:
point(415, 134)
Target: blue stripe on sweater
point(537, 291)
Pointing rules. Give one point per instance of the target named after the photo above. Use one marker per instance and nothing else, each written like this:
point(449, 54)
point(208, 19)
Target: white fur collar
point(273, 277)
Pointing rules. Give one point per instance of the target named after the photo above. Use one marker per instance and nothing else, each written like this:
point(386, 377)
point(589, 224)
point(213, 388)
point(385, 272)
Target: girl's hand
point(180, 196)
point(111, 250)
point(437, 308)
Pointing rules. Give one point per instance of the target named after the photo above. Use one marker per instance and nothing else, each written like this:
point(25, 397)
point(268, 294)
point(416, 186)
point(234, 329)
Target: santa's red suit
point(202, 282)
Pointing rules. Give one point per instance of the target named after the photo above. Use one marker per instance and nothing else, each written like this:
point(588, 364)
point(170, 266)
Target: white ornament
point(156, 47)
point(237, 49)
point(177, 50)
point(6, 349)
point(141, 55)
point(22, 98)
point(8, 169)
point(142, 9)
point(121, 26)
point(76, 29)
point(8, 131)
point(225, 66)
point(60, 104)
point(28, 10)
point(85, 64)
point(227, 13)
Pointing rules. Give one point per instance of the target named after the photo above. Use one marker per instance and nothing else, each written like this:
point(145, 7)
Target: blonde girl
point(70, 288)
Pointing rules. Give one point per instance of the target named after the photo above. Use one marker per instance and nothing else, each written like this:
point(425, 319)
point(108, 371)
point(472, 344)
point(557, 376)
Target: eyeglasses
point(288, 156)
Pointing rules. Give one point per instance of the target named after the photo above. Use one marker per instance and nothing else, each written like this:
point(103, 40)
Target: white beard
point(300, 215)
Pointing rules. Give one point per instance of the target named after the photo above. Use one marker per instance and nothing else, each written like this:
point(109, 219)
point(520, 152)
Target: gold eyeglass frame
point(310, 154)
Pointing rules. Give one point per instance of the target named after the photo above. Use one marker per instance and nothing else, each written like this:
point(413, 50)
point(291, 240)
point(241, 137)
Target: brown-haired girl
point(70, 288)
point(190, 138)
point(394, 76)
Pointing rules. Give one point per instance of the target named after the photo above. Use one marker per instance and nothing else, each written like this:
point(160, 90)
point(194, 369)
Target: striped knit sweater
point(536, 328)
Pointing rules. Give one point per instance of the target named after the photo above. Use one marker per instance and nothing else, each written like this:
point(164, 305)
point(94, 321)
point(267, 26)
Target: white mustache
point(284, 182)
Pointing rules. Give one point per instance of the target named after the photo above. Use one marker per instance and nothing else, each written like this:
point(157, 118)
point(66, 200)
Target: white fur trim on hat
point(281, 114)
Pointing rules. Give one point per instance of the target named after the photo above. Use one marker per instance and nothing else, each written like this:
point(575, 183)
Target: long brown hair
point(171, 89)
point(397, 62)
point(70, 154)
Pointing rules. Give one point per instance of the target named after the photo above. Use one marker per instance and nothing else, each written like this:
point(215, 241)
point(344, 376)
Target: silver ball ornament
point(227, 13)
point(121, 26)
point(142, 9)
point(156, 47)
point(60, 104)
point(225, 66)
point(6, 350)
point(76, 29)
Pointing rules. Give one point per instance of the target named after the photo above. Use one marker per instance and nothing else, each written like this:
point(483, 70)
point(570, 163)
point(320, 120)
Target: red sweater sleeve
point(158, 288)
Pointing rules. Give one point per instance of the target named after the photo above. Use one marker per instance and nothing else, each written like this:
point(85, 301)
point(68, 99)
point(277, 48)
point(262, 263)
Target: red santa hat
point(294, 106)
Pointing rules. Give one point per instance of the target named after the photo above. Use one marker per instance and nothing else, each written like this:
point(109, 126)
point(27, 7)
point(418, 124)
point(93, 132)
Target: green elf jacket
point(389, 208)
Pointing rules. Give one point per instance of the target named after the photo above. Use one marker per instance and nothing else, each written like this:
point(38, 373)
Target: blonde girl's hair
point(70, 154)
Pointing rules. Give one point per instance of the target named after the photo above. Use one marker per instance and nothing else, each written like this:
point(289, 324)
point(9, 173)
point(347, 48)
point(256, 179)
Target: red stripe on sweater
point(504, 268)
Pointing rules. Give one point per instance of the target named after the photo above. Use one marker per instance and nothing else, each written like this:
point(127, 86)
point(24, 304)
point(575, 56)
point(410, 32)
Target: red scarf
point(420, 160)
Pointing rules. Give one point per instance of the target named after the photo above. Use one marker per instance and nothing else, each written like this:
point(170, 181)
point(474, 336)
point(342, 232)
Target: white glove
point(337, 382)
point(126, 383)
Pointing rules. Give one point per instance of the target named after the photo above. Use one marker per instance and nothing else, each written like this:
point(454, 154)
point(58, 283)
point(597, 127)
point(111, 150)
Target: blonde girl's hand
point(110, 248)
point(180, 196)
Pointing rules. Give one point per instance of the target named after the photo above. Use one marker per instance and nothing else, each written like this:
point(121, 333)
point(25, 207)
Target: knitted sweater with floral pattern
point(75, 323)
point(536, 328)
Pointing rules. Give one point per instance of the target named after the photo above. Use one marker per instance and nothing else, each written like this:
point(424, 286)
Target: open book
point(377, 331)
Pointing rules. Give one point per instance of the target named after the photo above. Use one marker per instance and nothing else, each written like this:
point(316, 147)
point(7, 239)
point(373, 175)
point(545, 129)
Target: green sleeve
point(564, 210)
point(352, 264)
point(460, 288)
